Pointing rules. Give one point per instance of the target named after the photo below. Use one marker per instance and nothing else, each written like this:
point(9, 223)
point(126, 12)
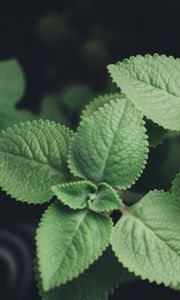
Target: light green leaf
point(12, 83)
point(98, 102)
point(176, 187)
point(152, 84)
point(96, 283)
point(155, 132)
point(105, 200)
point(33, 157)
point(110, 146)
point(74, 194)
point(146, 239)
point(68, 242)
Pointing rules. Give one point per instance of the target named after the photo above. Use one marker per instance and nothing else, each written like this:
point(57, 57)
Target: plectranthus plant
point(83, 251)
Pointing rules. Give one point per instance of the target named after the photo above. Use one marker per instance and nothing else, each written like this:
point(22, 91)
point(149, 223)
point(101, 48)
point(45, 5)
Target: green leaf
point(74, 194)
point(105, 200)
point(176, 186)
point(68, 242)
point(96, 283)
point(98, 102)
point(110, 146)
point(152, 84)
point(33, 157)
point(146, 239)
point(12, 83)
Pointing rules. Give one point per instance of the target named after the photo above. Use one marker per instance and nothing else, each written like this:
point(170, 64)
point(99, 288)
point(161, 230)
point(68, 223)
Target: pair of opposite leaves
point(41, 147)
point(36, 139)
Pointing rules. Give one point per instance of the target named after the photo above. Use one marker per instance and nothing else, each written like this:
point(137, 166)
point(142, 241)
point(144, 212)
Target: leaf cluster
point(82, 253)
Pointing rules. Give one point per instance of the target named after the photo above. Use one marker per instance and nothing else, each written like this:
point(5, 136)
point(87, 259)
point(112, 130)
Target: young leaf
point(110, 146)
point(98, 102)
point(68, 242)
point(33, 157)
point(74, 194)
point(152, 84)
point(146, 239)
point(12, 83)
point(96, 283)
point(105, 200)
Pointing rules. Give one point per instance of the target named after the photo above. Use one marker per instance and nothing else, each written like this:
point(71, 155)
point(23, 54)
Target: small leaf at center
point(105, 200)
point(74, 194)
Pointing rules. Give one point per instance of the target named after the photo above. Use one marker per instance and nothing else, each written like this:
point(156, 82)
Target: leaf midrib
point(155, 87)
point(69, 243)
point(131, 215)
point(56, 170)
point(101, 177)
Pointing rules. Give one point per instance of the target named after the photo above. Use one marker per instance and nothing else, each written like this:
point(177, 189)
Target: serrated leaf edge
point(143, 56)
point(125, 264)
point(22, 125)
point(87, 120)
point(80, 183)
point(76, 275)
point(111, 207)
point(96, 99)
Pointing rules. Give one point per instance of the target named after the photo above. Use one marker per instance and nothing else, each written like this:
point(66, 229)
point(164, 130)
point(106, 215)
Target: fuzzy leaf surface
point(74, 194)
point(98, 102)
point(105, 200)
point(155, 132)
point(68, 242)
point(110, 146)
point(33, 157)
point(95, 283)
point(152, 83)
point(146, 239)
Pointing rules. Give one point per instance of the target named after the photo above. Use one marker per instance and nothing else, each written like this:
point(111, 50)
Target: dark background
point(64, 42)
